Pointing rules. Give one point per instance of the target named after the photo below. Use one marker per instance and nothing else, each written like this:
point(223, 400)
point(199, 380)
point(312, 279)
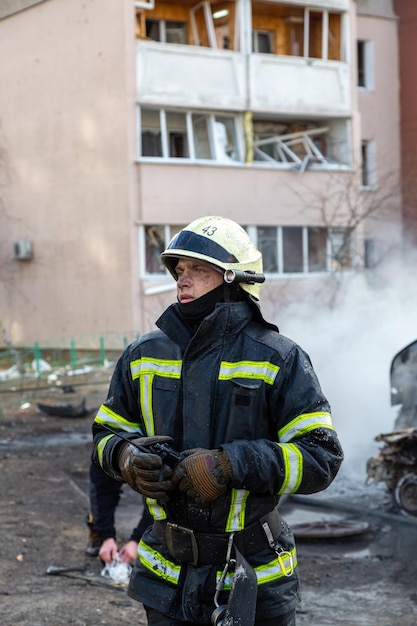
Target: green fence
point(45, 360)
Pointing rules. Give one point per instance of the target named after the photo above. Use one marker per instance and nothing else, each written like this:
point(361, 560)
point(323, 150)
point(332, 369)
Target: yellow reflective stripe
point(100, 447)
point(303, 424)
point(260, 370)
point(155, 562)
point(146, 369)
point(282, 566)
point(155, 509)
point(107, 416)
point(279, 567)
point(161, 367)
point(293, 468)
point(236, 518)
point(145, 396)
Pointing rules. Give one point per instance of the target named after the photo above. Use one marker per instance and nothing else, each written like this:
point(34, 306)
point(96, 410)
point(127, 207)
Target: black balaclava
point(195, 311)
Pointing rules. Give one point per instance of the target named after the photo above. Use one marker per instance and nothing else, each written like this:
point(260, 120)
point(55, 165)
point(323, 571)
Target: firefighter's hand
point(145, 472)
point(108, 550)
point(203, 475)
point(128, 552)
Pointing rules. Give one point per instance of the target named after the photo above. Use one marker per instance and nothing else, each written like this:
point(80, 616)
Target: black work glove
point(146, 472)
point(203, 475)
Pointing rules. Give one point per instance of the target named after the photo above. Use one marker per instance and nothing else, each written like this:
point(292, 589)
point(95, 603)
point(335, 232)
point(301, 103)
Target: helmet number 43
point(209, 230)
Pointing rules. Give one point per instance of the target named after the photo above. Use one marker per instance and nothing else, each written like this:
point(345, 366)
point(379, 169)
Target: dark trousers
point(155, 618)
point(105, 494)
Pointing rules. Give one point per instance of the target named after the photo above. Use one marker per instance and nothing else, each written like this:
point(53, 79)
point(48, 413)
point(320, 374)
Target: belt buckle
point(171, 530)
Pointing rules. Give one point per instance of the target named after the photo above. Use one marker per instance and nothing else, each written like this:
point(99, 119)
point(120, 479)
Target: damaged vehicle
point(396, 463)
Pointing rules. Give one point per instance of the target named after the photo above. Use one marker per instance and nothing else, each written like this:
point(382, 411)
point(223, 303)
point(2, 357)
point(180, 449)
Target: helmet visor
point(191, 242)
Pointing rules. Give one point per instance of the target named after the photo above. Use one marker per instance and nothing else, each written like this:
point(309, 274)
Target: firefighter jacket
point(237, 384)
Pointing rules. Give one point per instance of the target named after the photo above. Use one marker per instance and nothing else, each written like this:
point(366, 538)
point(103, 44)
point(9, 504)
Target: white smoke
point(352, 346)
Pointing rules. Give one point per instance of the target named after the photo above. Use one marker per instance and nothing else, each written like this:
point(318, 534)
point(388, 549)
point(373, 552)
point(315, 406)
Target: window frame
point(169, 231)
point(259, 32)
point(218, 156)
point(331, 260)
point(333, 263)
point(365, 65)
point(369, 176)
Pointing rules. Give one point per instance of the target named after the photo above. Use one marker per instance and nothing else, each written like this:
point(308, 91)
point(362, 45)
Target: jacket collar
point(227, 318)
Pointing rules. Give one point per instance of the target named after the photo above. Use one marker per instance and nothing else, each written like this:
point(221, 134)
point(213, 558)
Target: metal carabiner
point(218, 613)
point(281, 554)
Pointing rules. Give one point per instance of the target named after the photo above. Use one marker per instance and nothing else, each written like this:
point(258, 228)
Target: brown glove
point(145, 472)
point(203, 475)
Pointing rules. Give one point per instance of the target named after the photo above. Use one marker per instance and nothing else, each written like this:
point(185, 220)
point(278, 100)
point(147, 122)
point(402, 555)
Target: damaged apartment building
point(282, 115)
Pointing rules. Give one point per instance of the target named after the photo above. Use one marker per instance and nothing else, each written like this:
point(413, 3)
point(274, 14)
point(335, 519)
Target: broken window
point(301, 144)
point(214, 24)
point(209, 24)
point(156, 239)
point(166, 31)
point(285, 249)
point(278, 28)
point(155, 245)
point(297, 31)
point(188, 135)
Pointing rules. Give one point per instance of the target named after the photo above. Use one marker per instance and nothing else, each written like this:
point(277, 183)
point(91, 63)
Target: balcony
point(267, 57)
point(298, 86)
point(190, 76)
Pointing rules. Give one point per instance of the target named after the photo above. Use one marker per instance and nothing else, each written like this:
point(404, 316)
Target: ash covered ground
point(366, 578)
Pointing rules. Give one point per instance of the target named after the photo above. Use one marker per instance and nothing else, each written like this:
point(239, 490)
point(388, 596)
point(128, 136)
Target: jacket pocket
point(244, 409)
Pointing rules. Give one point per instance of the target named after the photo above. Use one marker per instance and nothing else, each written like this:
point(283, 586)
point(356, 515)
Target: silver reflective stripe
point(303, 424)
point(284, 564)
point(259, 370)
point(162, 367)
point(236, 518)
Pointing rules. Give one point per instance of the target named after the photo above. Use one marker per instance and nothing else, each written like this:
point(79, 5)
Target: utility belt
point(186, 546)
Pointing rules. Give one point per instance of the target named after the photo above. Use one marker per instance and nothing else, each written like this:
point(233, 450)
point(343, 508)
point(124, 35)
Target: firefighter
point(242, 405)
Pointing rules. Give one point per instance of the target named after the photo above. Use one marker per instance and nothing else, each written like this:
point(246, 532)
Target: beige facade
point(121, 123)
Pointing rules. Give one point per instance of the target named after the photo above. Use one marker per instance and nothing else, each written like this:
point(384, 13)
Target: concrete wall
point(66, 144)
point(71, 184)
point(380, 122)
point(375, 8)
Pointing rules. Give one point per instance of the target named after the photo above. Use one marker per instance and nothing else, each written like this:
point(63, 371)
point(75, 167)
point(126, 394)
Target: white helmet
point(223, 244)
